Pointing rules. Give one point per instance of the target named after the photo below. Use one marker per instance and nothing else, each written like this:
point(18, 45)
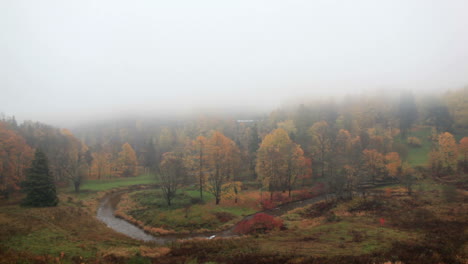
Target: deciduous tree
point(101, 165)
point(15, 158)
point(172, 172)
point(280, 162)
point(321, 142)
point(223, 159)
point(127, 161)
point(198, 158)
point(393, 163)
point(73, 159)
point(443, 158)
point(374, 163)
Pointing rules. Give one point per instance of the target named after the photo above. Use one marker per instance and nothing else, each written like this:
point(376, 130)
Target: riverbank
point(428, 227)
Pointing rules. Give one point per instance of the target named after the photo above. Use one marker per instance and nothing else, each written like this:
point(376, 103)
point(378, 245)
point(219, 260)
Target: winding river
point(108, 204)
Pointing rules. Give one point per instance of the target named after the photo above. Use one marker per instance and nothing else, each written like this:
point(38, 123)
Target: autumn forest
point(217, 169)
point(233, 132)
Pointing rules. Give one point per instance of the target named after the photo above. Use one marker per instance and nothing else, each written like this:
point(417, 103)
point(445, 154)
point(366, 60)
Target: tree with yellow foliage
point(101, 165)
point(127, 161)
point(444, 156)
point(222, 160)
point(280, 162)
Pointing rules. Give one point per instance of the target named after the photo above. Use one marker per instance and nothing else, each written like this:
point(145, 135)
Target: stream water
point(108, 204)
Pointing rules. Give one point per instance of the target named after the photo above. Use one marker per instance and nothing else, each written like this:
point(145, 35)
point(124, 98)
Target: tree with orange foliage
point(222, 160)
point(444, 156)
point(127, 161)
point(393, 163)
point(299, 167)
point(101, 164)
point(15, 158)
point(374, 163)
point(280, 162)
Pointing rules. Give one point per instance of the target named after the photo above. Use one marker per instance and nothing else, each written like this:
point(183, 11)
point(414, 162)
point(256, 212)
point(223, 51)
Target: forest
point(388, 173)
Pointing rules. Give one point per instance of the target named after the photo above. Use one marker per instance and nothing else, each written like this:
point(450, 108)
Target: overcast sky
point(95, 58)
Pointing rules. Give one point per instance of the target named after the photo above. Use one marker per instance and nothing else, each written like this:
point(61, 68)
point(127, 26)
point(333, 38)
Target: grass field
point(40, 235)
point(418, 156)
point(423, 228)
point(355, 228)
point(344, 232)
point(103, 185)
point(187, 212)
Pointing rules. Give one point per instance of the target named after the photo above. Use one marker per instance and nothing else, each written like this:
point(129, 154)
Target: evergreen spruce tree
point(39, 185)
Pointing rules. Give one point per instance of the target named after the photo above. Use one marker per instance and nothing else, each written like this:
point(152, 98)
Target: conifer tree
point(39, 185)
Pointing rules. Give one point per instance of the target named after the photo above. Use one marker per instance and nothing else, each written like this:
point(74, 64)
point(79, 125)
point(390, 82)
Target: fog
point(70, 61)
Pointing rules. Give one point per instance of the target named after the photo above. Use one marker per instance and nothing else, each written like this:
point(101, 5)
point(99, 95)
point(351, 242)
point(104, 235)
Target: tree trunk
point(77, 186)
point(217, 200)
point(323, 168)
point(201, 187)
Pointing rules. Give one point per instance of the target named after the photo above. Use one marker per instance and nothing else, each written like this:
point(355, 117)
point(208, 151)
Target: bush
point(414, 142)
point(260, 223)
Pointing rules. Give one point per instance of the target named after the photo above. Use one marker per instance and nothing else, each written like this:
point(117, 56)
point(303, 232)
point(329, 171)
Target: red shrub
point(260, 223)
point(267, 204)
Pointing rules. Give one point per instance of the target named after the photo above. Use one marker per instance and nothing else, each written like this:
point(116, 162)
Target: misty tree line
point(354, 142)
